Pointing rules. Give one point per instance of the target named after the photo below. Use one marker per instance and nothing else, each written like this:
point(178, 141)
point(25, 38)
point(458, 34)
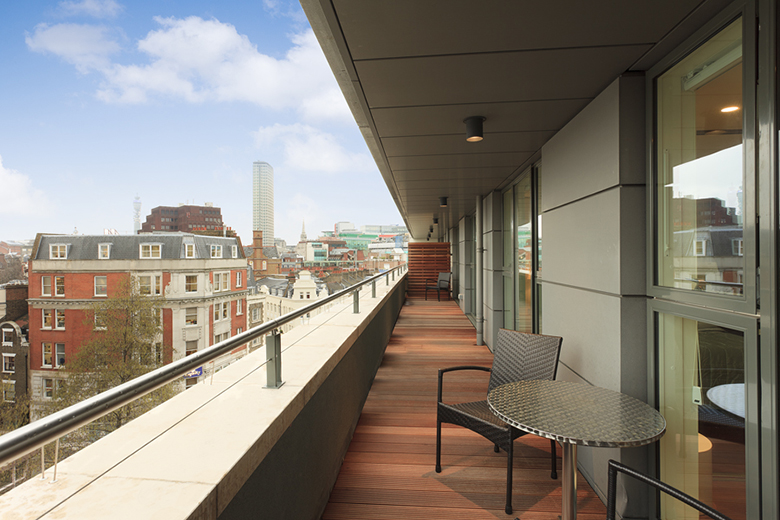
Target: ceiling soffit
point(412, 71)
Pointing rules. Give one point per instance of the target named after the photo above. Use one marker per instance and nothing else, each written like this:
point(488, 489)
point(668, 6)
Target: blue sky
point(101, 100)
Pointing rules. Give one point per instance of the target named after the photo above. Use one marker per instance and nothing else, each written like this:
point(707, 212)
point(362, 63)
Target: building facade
point(263, 200)
point(184, 218)
point(14, 376)
point(263, 264)
point(641, 138)
point(278, 297)
point(202, 280)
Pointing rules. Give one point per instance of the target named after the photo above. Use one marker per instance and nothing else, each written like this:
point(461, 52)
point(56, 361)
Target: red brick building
point(183, 218)
point(262, 264)
point(202, 278)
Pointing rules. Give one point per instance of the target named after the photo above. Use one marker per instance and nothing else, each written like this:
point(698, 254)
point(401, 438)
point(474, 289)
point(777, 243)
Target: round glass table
point(576, 414)
point(729, 397)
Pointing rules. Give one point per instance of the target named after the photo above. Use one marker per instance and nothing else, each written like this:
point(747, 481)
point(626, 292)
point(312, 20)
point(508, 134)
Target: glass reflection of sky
point(718, 175)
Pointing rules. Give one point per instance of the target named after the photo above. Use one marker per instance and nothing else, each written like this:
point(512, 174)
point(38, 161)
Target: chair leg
point(438, 294)
point(438, 445)
point(554, 474)
point(426, 294)
point(495, 448)
point(509, 461)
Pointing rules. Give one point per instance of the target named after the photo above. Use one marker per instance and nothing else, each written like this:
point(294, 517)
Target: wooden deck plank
point(388, 471)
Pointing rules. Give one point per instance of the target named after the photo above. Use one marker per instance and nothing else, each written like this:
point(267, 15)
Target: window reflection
point(700, 168)
point(702, 398)
point(523, 221)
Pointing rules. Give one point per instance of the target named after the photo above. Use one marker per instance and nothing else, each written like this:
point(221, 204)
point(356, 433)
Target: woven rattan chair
point(442, 284)
point(517, 356)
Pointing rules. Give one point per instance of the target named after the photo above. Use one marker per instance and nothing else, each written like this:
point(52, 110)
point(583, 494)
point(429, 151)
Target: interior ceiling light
point(474, 128)
point(729, 109)
point(435, 220)
point(431, 229)
point(443, 202)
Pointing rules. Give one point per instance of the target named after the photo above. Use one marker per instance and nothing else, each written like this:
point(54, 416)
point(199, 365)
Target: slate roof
point(270, 252)
point(275, 284)
point(720, 240)
point(127, 247)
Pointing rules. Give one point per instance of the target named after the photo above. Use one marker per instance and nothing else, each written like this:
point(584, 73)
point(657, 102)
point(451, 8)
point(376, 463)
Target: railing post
point(56, 458)
point(373, 289)
point(387, 279)
point(356, 302)
point(273, 354)
point(393, 274)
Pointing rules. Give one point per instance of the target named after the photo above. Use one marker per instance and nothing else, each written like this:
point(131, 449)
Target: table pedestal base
point(569, 483)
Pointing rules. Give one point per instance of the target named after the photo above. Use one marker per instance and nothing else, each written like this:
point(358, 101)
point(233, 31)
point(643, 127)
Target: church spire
point(303, 231)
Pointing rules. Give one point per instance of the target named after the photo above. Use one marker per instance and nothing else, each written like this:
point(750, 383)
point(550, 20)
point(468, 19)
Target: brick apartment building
point(183, 218)
point(14, 348)
point(202, 278)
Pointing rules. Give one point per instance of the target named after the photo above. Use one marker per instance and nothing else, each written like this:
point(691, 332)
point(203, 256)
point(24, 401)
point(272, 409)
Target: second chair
point(517, 356)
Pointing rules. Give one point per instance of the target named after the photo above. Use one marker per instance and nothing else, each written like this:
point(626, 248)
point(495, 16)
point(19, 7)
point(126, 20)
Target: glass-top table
point(576, 414)
point(729, 397)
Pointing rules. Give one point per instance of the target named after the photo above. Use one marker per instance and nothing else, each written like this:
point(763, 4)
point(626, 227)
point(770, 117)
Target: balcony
point(233, 449)
point(388, 471)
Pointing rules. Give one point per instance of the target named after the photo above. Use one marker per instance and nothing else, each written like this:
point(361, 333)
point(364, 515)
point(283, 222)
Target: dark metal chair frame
point(518, 356)
point(615, 467)
point(442, 283)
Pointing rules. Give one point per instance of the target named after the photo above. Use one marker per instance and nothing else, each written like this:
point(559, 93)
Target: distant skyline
point(173, 102)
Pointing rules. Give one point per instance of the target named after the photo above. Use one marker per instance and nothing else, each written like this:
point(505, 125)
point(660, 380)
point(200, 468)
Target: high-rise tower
point(263, 200)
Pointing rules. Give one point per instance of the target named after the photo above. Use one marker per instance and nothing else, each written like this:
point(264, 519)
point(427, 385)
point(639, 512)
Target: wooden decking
point(388, 472)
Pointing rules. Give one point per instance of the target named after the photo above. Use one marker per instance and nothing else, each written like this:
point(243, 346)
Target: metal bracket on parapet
point(356, 301)
point(273, 354)
point(373, 289)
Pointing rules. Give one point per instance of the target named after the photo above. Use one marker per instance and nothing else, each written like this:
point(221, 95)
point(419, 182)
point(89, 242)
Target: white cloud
point(94, 8)
point(88, 47)
point(205, 60)
point(21, 199)
point(309, 149)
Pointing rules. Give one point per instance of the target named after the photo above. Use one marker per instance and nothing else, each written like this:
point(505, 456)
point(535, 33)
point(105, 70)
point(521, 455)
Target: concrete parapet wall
point(230, 448)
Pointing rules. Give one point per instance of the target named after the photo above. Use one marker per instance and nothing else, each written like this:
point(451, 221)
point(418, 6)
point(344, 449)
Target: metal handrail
point(615, 467)
point(27, 439)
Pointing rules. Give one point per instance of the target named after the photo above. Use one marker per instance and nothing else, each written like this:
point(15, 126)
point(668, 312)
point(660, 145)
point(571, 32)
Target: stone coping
point(188, 457)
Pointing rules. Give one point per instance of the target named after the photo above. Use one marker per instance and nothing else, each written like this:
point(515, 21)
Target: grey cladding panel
point(513, 76)
point(521, 116)
point(498, 25)
point(456, 143)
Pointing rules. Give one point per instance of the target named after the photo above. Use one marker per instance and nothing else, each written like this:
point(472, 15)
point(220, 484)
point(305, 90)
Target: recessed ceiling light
point(729, 109)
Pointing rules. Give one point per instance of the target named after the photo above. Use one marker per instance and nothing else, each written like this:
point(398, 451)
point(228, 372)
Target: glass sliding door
point(508, 262)
point(704, 270)
point(472, 294)
point(521, 241)
point(525, 250)
point(702, 398)
point(538, 240)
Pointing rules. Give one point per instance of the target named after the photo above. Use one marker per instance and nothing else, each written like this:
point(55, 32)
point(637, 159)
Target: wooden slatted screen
point(426, 261)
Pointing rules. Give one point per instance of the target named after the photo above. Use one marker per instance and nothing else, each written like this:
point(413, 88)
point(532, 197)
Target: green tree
point(13, 415)
point(126, 343)
point(12, 270)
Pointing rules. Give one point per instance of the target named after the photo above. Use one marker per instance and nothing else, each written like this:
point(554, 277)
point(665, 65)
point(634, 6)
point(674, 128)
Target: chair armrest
point(453, 369)
point(430, 280)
